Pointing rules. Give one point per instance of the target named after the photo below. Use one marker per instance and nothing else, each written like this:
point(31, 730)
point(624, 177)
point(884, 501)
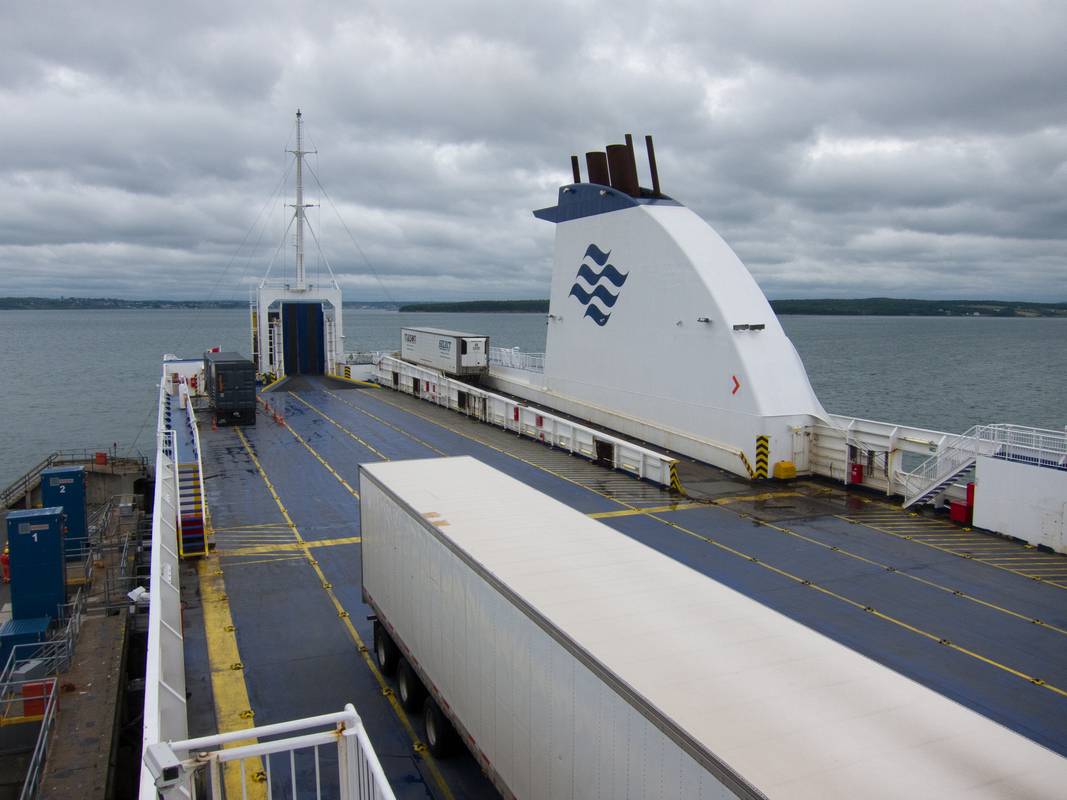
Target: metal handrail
point(1013, 442)
point(359, 772)
point(165, 702)
point(516, 359)
point(19, 487)
point(205, 515)
point(31, 786)
point(56, 654)
point(360, 358)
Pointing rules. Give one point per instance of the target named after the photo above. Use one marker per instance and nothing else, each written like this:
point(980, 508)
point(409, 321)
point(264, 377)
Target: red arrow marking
point(737, 384)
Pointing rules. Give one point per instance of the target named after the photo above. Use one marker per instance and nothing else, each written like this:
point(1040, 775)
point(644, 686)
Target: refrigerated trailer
point(575, 662)
point(452, 352)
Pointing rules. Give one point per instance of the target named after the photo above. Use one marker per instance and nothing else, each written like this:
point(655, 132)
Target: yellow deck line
point(364, 651)
point(388, 424)
point(495, 448)
point(919, 579)
point(236, 537)
point(289, 547)
point(874, 612)
point(340, 427)
point(357, 382)
point(263, 526)
point(944, 549)
point(20, 720)
point(272, 560)
point(228, 688)
point(275, 382)
point(653, 510)
point(322, 460)
point(756, 498)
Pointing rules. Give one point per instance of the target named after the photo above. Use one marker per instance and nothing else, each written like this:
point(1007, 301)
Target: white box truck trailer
point(452, 352)
point(575, 662)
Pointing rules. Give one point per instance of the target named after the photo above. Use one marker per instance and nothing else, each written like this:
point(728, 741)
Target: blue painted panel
point(66, 487)
point(38, 562)
point(22, 632)
point(589, 199)
point(304, 352)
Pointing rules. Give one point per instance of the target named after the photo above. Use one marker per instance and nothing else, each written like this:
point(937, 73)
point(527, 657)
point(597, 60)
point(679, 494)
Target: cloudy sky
point(843, 149)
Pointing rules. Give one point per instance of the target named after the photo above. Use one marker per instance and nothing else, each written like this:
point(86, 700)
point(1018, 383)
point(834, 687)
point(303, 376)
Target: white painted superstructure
point(273, 294)
point(657, 330)
point(581, 663)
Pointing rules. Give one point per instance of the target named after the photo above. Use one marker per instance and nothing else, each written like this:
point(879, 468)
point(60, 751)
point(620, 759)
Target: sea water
point(89, 379)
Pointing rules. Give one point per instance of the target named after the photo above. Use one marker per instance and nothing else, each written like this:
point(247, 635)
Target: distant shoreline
point(115, 303)
point(867, 307)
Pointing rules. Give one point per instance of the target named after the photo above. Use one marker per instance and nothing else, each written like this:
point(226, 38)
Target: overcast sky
point(842, 149)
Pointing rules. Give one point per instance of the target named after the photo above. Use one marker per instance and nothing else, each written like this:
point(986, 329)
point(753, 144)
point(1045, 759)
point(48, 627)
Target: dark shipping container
point(230, 383)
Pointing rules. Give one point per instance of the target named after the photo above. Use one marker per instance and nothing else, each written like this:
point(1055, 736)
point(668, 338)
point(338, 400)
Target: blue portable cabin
point(66, 487)
point(38, 562)
point(22, 633)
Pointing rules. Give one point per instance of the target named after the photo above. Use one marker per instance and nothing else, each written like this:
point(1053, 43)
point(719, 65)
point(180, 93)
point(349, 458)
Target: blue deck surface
point(299, 659)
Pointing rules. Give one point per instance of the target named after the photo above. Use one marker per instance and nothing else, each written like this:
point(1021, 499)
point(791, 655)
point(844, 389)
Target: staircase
point(184, 447)
point(192, 538)
point(955, 459)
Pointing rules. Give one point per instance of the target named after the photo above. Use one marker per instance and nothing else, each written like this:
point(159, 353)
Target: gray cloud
point(842, 149)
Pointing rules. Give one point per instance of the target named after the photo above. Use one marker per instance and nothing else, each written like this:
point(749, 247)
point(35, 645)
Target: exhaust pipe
point(574, 169)
point(652, 165)
point(623, 169)
point(596, 165)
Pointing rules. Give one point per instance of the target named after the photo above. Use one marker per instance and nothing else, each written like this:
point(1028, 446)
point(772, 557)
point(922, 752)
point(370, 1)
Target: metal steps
point(192, 532)
point(958, 456)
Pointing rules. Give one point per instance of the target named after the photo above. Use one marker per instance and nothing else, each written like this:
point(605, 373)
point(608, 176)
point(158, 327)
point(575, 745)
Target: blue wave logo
point(597, 289)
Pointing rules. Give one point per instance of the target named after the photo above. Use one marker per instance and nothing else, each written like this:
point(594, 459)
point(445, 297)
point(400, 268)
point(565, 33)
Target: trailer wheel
point(384, 649)
point(408, 686)
point(441, 737)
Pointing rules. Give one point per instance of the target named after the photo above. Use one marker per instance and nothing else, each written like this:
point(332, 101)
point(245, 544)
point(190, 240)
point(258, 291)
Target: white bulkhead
point(653, 318)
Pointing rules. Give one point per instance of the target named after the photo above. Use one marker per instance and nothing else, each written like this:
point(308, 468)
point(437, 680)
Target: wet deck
point(977, 618)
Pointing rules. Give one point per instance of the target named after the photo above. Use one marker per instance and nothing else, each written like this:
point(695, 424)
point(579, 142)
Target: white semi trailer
point(452, 352)
point(575, 662)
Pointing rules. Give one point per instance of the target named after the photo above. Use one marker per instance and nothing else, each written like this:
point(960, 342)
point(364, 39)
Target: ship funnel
point(575, 170)
point(659, 331)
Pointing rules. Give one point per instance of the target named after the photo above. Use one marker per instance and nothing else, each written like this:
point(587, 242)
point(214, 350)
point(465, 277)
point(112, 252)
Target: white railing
point(31, 786)
point(1011, 442)
point(363, 358)
point(525, 420)
point(292, 766)
point(199, 459)
point(516, 359)
point(164, 704)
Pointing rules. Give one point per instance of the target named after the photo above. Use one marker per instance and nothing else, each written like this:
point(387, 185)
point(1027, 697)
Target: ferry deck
point(275, 627)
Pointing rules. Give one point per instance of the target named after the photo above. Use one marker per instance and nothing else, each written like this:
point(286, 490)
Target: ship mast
point(300, 205)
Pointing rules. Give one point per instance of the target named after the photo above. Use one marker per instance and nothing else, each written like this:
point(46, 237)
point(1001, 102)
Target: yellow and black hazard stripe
point(763, 456)
point(676, 485)
point(348, 372)
point(748, 466)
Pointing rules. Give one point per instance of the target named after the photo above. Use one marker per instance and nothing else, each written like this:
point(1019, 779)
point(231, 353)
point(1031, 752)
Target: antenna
point(299, 206)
